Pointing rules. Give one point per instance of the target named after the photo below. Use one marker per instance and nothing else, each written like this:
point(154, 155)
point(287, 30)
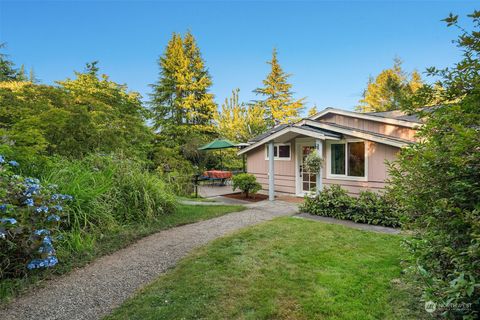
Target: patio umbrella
point(218, 144)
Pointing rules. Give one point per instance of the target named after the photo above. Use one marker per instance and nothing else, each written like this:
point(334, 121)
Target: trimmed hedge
point(369, 207)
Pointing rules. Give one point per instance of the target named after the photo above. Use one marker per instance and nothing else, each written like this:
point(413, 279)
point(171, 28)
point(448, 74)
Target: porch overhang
point(289, 132)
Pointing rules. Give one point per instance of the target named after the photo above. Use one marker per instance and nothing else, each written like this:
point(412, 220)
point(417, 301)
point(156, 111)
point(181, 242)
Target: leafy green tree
point(279, 104)
point(389, 89)
point(437, 183)
point(116, 115)
point(239, 122)
point(181, 103)
point(80, 116)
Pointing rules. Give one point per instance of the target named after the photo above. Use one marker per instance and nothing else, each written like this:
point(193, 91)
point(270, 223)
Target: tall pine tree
point(181, 102)
point(279, 104)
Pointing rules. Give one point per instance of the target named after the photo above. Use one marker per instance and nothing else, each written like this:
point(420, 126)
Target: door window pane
point(338, 159)
point(356, 159)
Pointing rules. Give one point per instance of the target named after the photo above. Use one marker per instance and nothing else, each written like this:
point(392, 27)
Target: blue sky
point(330, 48)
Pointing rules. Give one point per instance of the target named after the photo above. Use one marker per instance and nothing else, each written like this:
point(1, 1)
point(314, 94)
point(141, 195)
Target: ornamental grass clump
point(30, 215)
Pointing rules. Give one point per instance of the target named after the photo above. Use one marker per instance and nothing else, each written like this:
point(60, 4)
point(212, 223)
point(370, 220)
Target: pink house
point(354, 147)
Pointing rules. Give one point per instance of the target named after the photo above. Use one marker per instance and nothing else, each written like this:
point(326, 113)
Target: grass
point(77, 249)
point(287, 268)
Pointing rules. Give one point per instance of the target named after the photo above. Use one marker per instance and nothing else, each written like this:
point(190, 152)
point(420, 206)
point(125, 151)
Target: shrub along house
point(354, 147)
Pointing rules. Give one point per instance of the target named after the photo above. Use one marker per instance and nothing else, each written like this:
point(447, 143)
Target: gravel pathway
point(93, 291)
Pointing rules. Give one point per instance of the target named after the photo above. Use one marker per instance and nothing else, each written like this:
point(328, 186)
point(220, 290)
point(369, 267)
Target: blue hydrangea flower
point(32, 181)
point(40, 232)
point(42, 209)
point(32, 189)
point(3, 207)
point(9, 220)
point(58, 196)
point(42, 263)
point(53, 217)
point(13, 163)
point(58, 207)
point(2, 159)
point(29, 202)
point(2, 235)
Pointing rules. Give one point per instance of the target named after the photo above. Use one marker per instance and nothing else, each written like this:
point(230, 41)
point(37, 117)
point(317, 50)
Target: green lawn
point(288, 268)
point(87, 249)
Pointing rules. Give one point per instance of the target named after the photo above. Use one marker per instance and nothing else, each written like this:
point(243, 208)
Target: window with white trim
point(281, 151)
point(347, 159)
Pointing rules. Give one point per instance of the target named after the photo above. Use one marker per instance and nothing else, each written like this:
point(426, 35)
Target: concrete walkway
point(351, 224)
point(93, 291)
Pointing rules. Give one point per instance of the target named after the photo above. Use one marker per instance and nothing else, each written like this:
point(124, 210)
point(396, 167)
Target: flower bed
point(369, 207)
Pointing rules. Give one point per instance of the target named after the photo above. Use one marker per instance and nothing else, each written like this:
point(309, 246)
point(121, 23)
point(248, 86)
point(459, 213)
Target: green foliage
point(279, 104)
point(369, 207)
point(181, 102)
point(109, 191)
point(80, 116)
point(247, 183)
point(389, 89)
point(239, 122)
point(437, 183)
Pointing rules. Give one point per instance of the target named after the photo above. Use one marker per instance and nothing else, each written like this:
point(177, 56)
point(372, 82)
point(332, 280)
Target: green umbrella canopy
point(218, 144)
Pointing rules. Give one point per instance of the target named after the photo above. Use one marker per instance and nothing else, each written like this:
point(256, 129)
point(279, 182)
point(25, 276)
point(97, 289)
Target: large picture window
point(281, 151)
point(347, 159)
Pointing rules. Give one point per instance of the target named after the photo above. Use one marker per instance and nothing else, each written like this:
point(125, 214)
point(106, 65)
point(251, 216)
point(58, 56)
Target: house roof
point(291, 129)
point(396, 114)
point(359, 133)
point(392, 117)
point(333, 131)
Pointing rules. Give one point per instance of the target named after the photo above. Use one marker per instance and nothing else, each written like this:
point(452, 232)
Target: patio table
point(218, 175)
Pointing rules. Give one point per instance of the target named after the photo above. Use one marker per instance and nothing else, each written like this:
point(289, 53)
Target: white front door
point(306, 181)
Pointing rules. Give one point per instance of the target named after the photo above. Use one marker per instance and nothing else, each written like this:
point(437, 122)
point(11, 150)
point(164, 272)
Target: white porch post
point(319, 147)
point(271, 175)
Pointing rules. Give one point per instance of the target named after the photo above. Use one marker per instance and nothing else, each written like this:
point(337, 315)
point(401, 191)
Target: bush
point(437, 182)
point(30, 215)
point(369, 207)
point(247, 183)
point(173, 169)
point(110, 191)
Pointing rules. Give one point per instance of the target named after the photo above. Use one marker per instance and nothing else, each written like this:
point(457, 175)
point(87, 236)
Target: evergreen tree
point(181, 102)
point(7, 67)
point(32, 76)
point(239, 122)
point(21, 74)
point(279, 104)
point(389, 89)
